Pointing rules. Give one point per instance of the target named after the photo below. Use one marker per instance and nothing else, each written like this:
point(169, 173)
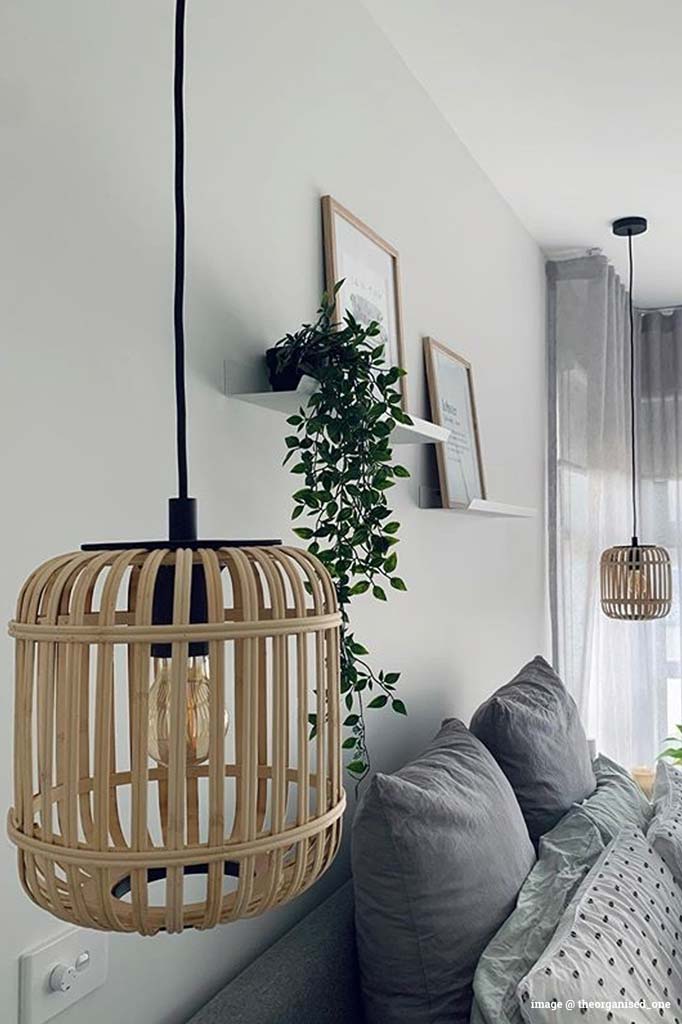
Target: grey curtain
point(624, 676)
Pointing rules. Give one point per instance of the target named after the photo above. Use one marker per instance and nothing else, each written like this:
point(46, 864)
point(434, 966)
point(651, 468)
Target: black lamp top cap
point(625, 226)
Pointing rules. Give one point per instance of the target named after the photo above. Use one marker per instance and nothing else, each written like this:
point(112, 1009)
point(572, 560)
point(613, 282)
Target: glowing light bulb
point(197, 711)
point(637, 585)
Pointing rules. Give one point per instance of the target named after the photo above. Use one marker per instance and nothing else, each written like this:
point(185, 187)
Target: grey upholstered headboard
point(310, 976)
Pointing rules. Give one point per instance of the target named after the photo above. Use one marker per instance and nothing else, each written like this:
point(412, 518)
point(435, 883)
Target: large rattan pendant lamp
point(636, 580)
point(162, 697)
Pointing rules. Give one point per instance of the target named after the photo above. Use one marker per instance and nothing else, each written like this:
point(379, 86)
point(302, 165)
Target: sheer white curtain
point(625, 676)
point(660, 452)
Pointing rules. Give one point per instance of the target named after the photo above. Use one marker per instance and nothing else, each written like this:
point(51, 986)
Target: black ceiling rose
point(625, 226)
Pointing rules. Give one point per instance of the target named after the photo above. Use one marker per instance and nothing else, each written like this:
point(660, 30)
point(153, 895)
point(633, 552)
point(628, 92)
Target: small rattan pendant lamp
point(636, 579)
point(162, 697)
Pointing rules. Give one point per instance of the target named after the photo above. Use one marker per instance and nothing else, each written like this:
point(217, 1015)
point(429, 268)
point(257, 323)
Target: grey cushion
point(566, 855)
point(308, 975)
point(667, 786)
point(532, 728)
point(617, 801)
point(439, 851)
point(665, 830)
point(616, 942)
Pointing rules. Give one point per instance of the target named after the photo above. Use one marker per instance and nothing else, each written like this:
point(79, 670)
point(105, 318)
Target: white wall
point(285, 102)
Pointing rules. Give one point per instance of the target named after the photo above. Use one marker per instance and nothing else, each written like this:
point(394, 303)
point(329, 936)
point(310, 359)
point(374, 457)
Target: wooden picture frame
point(370, 267)
point(451, 392)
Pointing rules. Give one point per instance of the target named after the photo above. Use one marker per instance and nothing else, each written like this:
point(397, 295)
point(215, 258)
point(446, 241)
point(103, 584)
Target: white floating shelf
point(288, 402)
point(429, 497)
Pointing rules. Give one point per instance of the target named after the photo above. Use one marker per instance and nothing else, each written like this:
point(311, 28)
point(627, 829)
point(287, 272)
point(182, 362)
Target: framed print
point(370, 270)
point(451, 390)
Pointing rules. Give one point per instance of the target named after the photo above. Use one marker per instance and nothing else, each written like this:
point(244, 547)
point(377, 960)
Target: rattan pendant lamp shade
point(163, 776)
point(636, 579)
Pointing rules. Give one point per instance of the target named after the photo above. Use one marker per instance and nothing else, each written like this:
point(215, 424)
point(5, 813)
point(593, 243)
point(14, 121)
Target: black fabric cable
point(633, 435)
point(179, 295)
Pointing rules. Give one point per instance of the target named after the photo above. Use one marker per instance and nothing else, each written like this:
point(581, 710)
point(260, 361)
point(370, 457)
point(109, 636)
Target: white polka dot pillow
point(617, 953)
point(665, 830)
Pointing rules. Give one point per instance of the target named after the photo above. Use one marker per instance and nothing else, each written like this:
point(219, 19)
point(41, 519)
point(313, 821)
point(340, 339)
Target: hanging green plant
point(342, 453)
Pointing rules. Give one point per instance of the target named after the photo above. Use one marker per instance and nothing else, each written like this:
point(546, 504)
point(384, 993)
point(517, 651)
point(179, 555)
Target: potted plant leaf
point(341, 453)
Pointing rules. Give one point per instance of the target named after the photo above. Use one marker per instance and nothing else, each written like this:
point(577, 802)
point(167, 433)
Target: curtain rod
point(658, 309)
point(574, 253)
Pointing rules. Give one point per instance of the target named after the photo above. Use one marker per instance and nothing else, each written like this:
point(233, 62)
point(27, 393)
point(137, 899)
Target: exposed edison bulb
point(197, 711)
point(637, 584)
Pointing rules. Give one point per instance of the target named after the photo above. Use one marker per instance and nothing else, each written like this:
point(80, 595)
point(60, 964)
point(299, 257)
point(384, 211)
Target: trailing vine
point(341, 450)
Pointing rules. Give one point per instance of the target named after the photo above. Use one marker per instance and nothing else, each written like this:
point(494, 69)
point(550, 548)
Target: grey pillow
point(532, 728)
point(665, 830)
point(439, 853)
point(667, 787)
point(617, 942)
point(566, 855)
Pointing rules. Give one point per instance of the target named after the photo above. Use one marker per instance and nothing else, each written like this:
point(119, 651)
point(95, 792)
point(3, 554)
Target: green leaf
point(303, 532)
point(401, 472)
point(392, 527)
point(349, 743)
point(391, 562)
point(392, 677)
point(294, 421)
point(379, 593)
point(351, 720)
point(359, 588)
point(398, 584)
point(357, 767)
point(378, 702)
point(398, 707)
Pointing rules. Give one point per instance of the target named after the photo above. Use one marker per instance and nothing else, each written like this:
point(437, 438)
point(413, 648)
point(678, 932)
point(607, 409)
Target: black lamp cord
point(633, 435)
point(178, 301)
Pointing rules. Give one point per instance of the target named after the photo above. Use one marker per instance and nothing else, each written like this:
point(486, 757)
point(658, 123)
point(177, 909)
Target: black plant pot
point(284, 376)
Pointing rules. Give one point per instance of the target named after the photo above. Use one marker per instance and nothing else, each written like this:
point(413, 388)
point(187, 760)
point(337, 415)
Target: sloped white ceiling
point(573, 108)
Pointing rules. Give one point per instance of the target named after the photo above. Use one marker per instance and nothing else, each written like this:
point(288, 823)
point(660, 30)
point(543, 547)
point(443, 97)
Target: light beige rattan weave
point(258, 821)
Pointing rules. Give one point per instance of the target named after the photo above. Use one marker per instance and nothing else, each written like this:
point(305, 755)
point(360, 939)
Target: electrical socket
point(60, 972)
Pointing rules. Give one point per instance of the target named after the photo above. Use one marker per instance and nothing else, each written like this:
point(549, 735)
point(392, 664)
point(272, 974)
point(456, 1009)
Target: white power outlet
point(59, 972)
